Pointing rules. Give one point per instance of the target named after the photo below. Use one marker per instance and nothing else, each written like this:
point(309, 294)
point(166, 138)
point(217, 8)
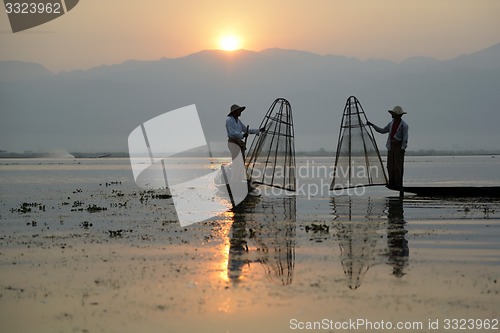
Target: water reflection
point(360, 226)
point(357, 223)
point(398, 251)
point(263, 231)
point(368, 231)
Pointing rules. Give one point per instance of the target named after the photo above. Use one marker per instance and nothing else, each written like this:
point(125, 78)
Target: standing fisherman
point(397, 141)
point(236, 133)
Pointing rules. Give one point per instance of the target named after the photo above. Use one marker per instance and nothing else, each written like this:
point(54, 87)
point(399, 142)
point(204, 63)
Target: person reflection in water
point(271, 230)
point(238, 247)
point(396, 237)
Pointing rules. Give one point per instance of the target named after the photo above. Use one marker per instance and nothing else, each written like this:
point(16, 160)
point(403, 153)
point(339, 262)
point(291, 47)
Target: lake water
point(83, 249)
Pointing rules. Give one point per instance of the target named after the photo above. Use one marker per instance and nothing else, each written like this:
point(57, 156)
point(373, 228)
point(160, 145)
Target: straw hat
point(236, 107)
point(397, 110)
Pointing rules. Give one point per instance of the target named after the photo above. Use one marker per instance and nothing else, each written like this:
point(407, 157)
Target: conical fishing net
point(271, 158)
point(357, 162)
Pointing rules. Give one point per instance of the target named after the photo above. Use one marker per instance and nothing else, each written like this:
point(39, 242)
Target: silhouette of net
point(264, 232)
point(274, 236)
point(271, 158)
point(357, 162)
point(358, 225)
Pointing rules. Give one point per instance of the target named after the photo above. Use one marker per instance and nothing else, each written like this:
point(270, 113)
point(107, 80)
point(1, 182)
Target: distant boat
point(458, 191)
point(91, 156)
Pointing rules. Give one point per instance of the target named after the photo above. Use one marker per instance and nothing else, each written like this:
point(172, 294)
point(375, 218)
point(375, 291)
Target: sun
point(229, 43)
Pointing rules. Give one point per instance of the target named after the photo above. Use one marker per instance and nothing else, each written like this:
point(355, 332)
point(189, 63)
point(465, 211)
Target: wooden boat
point(458, 191)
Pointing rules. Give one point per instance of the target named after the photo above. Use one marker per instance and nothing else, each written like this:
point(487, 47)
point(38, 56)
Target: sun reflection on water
point(225, 228)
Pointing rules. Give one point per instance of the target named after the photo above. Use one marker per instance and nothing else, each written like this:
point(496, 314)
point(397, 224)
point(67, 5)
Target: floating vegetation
point(94, 208)
point(85, 224)
point(77, 203)
point(165, 222)
point(77, 206)
point(151, 194)
point(321, 228)
point(320, 232)
point(110, 183)
point(26, 207)
point(118, 204)
point(117, 233)
point(487, 210)
point(32, 223)
point(162, 196)
point(117, 193)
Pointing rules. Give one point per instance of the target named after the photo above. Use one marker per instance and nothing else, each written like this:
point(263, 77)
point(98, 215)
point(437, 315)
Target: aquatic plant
point(78, 203)
point(318, 228)
point(85, 224)
point(151, 194)
point(94, 208)
point(115, 233)
point(25, 207)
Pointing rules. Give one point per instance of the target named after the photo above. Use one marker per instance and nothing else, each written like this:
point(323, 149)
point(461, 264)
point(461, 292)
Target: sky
point(98, 32)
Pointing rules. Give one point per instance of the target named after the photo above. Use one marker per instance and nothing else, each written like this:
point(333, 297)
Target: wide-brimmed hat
point(397, 110)
point(236, 107)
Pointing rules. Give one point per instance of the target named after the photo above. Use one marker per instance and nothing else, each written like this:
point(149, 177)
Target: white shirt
point(401, 134)
point(236, 129)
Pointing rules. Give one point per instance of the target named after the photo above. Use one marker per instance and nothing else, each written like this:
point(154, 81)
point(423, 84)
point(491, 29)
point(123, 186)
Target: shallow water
point(275, 264)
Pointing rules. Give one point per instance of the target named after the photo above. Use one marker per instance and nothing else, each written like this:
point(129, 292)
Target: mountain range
point(451, 104)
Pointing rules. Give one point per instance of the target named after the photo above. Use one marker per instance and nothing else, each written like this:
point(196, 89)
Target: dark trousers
point(395, 165)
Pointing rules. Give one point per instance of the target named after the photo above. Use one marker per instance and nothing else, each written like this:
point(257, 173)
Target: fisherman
point(237, 133)
point(397, 142)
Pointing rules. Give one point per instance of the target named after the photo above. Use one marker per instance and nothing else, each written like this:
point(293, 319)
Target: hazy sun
point(229, 43)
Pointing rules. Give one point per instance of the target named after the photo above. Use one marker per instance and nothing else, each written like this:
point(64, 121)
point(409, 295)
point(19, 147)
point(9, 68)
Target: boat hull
point(459, 191)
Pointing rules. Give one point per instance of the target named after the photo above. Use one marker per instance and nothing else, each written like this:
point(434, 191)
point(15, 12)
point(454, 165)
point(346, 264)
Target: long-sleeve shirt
point(401, 134)
point(236, 129)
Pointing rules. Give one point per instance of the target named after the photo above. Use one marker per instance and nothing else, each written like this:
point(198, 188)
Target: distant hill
point(451, 104)
point(20, 70)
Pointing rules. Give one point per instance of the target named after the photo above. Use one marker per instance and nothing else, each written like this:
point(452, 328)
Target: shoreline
point(99, 155)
